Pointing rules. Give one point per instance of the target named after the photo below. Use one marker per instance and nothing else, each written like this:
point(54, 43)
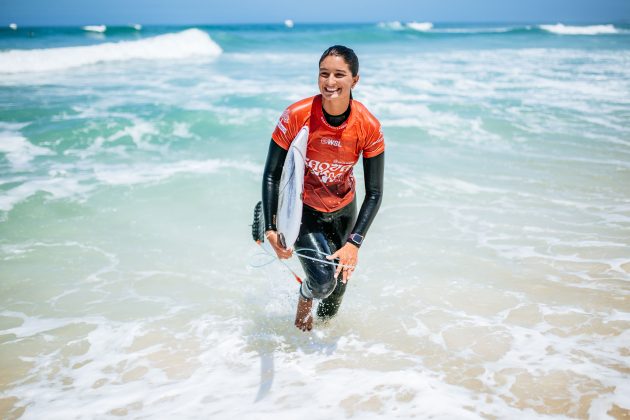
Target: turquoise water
point(493, 283)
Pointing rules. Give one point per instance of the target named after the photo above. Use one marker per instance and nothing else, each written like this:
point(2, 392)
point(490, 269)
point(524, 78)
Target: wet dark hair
point(347, 54)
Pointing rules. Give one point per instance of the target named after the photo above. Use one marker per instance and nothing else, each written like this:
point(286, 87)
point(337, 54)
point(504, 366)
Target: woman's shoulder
point(363, 115)
point(301, 106)
point(294, 117)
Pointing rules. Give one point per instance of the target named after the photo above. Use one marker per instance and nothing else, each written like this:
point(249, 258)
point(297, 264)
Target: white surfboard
point(289, 215)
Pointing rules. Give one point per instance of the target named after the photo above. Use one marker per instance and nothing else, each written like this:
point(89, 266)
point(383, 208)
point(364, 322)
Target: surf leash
point(258, 234)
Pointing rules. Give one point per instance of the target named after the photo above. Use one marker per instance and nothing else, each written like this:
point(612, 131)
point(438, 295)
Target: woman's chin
point(334, 96)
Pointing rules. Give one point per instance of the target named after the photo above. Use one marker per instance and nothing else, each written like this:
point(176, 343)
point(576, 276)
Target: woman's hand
point(348, 257)
point(272, 238)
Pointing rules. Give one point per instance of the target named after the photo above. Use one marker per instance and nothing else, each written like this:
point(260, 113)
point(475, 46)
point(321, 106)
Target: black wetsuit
point(324, 233)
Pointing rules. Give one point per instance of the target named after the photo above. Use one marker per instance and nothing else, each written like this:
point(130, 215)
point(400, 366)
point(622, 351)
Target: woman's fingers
point(339, 270)
point(347, 273)
point(347, 261)
point(339, 266)
point(283, 253)
point(272, 238)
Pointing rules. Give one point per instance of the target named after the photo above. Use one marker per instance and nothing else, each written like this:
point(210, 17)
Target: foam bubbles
point(17, 149)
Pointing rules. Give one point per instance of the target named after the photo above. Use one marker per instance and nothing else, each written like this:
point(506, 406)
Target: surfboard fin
point(258, 225)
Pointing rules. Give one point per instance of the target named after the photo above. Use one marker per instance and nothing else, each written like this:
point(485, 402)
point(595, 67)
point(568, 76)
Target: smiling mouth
point(331, 90)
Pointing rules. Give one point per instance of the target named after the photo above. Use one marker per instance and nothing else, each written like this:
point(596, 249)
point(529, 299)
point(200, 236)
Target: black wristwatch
point(355, 239)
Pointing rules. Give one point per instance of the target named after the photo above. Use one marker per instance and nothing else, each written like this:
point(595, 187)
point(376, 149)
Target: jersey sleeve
point(286, 129)
point(375, 142)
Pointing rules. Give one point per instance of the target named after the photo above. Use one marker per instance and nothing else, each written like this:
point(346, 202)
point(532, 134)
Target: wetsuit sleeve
point(271, 183)
point(373, 169)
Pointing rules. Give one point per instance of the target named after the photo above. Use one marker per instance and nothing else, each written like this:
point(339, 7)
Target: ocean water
point(494, 283)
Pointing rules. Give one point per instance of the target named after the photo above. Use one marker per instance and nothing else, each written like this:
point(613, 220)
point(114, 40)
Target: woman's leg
point(320, 279)
point(338, 229)
point(310, 242)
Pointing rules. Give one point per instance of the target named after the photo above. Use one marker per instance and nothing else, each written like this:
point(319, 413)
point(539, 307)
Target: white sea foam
point(185, 44)
point(219, 372)
point(420, 26)
point(95, 28)
point(182, 130)
point(395, 25)
point(139, 131)
point(488, 30)
point(561, 29)
point(78, 181)
point(145, 173)
point(17, 149)
point(57, 188)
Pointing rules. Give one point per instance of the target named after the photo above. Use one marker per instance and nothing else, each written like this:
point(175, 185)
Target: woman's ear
point(355, 80)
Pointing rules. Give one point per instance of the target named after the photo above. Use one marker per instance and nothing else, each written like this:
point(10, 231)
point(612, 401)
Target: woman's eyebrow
point(333, 71)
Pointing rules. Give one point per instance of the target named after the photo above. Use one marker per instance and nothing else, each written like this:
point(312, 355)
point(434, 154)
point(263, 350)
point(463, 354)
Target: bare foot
point(303, 317)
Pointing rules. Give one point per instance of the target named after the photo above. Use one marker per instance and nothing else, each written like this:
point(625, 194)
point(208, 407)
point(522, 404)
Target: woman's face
point(335, 78)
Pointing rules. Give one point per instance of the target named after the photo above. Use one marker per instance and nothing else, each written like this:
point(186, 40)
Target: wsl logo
point(284, 118)
point(331, 142)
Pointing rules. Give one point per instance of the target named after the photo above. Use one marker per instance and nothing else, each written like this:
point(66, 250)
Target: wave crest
point(420, 26)
point(399, 26)
point(561, 29)
point(188, 43)
point(394, 26)
point(95, 28)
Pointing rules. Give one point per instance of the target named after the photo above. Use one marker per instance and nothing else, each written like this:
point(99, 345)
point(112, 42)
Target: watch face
point(356, 238)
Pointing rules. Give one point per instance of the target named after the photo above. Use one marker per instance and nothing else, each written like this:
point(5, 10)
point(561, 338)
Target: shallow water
point(494, 282)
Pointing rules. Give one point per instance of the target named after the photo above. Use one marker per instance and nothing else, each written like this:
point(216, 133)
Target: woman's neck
point(336, 120)
point(336, 107)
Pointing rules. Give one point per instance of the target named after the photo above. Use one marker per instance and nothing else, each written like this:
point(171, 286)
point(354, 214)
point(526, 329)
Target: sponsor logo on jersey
point(329, 172)
point(284, 118)
point(331, 142)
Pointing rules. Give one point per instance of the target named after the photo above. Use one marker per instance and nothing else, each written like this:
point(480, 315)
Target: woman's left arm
point(373, 170)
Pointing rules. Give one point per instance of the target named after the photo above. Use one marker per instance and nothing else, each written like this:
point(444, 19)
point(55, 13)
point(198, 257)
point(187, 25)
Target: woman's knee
point(320, 286)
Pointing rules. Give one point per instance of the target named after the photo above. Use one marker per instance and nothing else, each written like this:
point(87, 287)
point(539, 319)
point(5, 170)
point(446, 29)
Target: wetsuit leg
point(320, 277)
point(329, 306)
point(326, 233)
point(338, 230)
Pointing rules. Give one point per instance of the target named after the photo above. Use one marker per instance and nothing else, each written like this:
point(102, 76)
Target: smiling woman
point(340, 130)
point(493, 283)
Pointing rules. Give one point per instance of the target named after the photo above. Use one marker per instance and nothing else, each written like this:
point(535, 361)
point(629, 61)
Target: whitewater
point(494, 282)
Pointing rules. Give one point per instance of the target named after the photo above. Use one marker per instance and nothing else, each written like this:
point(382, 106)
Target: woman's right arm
point(270, 190)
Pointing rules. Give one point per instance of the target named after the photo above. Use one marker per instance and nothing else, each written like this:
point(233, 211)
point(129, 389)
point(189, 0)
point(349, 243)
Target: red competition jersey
point(332, 151)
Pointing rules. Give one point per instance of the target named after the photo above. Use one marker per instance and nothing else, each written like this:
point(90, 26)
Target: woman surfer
point(340, 130)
